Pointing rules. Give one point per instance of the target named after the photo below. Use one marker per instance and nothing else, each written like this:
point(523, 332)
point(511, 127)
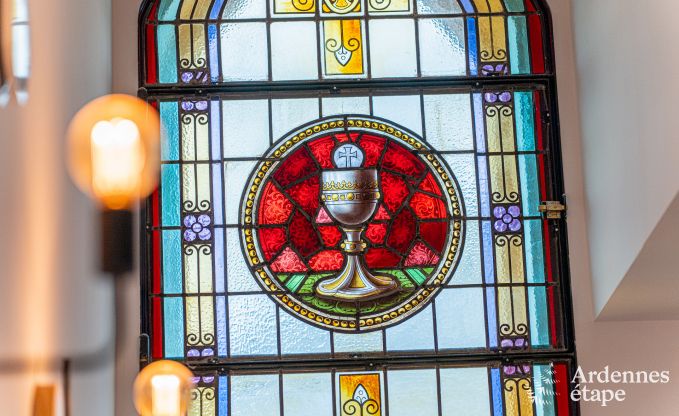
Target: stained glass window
point(350, 217)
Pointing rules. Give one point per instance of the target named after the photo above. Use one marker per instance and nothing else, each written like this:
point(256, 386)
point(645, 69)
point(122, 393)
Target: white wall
point(620, 345)
point(627, 62)
point(52, 300)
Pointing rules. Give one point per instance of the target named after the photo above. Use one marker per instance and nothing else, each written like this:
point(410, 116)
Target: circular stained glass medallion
point(352, 223)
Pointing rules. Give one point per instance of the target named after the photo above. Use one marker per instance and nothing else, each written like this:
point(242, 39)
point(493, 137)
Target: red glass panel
point(561, 385)
point(421, 255)
point(322, 151)
point(289, 262)
point(272, 240)
point(373, 148)
point(306, 195)
point(429, 185)
point(394, 190)
point(400, 160)
point(330, 234)
point(381, 258)
point(157, 328)
point(298, 165)
point(275, 208)
point(323, 217)
point(382, 214)
point(428, 207)
point(328, 260)
point(402, 231)
point(151, 61)
point(435, 234)
point(376, 233)
point(537, 49)
point(303, 236)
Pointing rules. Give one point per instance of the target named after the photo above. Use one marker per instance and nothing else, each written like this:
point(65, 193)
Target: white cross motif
point(348, 156)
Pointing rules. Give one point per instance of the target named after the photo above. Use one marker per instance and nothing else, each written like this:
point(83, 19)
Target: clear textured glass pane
point(290, 114)
point(252, 325)
point(366, 342)
point(392, 48)
point(442, 47)
point(413, 392)
point(438, 7)
point(400, 337)
point(244, 52)
point(255, 395)
point(294, 51)
point(460, 319)
point(345, 105)
point(463, 167)
point(235, 174)
point(404, 110)
point(246, 128)
point(464, 391)
point(244, 9)
point(469, 269)
point(307, 394)
point(448, 122)
point(299, 337)
point(239, 277)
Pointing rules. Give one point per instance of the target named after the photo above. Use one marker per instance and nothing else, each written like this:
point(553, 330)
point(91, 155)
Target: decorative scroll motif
point(360, 395)
point(348, 185)
point(294, 6)
point(195, 147)
point(388, 6)
point(343, 47)
point(287, 229)
point(507, 220)
point(517, 382)
point(193, 61)
point(492, 38)
point(203, 397)
point(341, 6)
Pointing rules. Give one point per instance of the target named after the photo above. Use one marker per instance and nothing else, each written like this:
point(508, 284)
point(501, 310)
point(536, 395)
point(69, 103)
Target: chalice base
point(356, 283)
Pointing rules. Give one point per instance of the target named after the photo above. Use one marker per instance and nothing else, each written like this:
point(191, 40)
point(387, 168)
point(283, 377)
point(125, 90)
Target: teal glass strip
point(295, 282)
point(530, 185)
point(169, 117)
point(172, 262)
point(417, 275)
point(539, 322)
point(173, 314)
point(167, 10)
point(525, 121)
point(514, 5)
point(535, 258)
point(545, 393)
point(167, 54)
point(169, 182)
point(519, 56)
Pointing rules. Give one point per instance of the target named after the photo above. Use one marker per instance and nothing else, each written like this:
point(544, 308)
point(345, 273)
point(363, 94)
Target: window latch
point(552, 210)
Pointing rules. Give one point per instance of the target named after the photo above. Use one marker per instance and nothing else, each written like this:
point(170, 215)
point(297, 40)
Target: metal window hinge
point(552, 210)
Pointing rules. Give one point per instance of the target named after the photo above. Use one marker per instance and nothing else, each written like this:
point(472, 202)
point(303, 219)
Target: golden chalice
point(351, 195)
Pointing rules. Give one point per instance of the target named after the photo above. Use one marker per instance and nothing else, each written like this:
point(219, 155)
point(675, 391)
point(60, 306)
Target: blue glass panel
point(167, 54)
point(169, 179)
point(496, 382)
point(544, 390)
point(216, 9)
point(529, 185)
point(535, 259)
point(212, 36)
point(472, 46)
point(173, 315)
point(525, 121)
point(519, 56)
point(479, 123)
point(172, 262)
point(217, 190)
point(514, 5)
point(467, 6)
point(223, 397)
point(484, 189)
point(168, 9)
point(220, 274)
point(221, 327)
point(539, 322)
point(169, 117)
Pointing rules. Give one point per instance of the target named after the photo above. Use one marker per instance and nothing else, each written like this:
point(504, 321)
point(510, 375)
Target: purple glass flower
point(499, 69)
point(507, 218)
point(197, 228)
point(187, 77)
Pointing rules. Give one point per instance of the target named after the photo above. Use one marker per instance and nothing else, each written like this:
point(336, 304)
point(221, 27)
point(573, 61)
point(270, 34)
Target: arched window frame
point(542, 79)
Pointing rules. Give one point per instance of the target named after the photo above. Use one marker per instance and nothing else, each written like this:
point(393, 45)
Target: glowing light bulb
point(163, 389)
point(114, 150)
